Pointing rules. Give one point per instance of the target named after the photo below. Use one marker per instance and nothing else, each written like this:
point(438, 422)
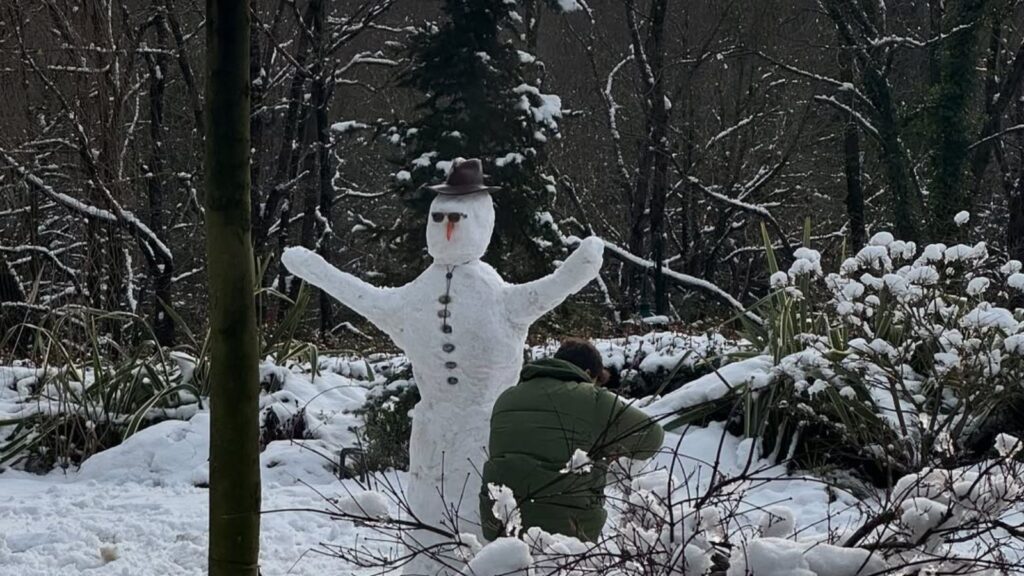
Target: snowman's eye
point(454, 217)
point(438, 216)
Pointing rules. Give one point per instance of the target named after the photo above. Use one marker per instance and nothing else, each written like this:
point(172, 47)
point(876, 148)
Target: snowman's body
point(464, 330)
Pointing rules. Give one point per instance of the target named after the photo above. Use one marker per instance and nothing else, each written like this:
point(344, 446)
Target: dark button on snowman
point(464, 329)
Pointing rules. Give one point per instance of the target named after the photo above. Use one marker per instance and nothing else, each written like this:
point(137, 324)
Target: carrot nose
point(449, 230)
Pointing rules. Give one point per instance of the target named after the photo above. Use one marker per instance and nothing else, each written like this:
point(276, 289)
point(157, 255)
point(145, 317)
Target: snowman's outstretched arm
point(528, 302)
point(378, 305)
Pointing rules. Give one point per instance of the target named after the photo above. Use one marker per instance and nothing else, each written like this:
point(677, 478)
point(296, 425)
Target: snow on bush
point(711, 514)
point(656, 360)
point(779, 557)
point(302, 416)
point(709, 503)
point(366, 503)
point(505, 508)
point(503, 557)
point(902, 358)
point(579, 463)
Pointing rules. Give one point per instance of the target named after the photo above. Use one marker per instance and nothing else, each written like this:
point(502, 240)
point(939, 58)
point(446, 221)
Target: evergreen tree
point(478, 102)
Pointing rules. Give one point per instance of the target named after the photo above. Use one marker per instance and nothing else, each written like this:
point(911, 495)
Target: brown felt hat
point(466, 177)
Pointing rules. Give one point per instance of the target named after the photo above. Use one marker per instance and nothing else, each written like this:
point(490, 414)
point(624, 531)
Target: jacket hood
point(555, 369)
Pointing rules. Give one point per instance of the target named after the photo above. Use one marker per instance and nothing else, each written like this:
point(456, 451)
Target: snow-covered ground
point(134, 510)
point(140, 508)
point(54, 526)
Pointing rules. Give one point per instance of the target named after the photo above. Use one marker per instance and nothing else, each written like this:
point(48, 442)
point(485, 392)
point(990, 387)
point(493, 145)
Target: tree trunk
point(321, 102)
point(1014, 186)
point(1001, 88)
point(310, 192)
point(852, 168)
point(658, 146)
point(257, 123)
point(935, 10)
point(11, 292)
point(10, 287)
point(160, 270)
point(637, 202)
point(532, 12)
point(287, 162)
point(950, 119)
point(906, 203)
point(1015, 227)
point(234, 371)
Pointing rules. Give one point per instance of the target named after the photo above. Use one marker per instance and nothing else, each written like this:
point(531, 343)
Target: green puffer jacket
point(535, 429)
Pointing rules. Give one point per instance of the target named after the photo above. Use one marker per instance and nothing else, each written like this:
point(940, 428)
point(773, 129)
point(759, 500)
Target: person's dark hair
point(584, 355)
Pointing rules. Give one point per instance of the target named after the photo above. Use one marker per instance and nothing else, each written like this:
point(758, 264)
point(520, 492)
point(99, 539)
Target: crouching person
point(558, 407)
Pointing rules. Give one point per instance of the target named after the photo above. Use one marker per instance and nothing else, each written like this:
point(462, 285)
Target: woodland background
point(679, 131)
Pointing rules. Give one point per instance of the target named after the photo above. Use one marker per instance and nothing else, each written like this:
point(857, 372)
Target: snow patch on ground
point(58, 525)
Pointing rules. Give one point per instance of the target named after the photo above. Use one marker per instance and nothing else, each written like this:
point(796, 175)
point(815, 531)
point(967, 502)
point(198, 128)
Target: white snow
point(510, 158)
point(962, 217)
point(57, 525)
point(779, 280)
point(752, 372)
point(1008, 445)
point(548, 110)
point(978, 286)
point(505, 508)
point(579, 463)
point(503, 557)
point(364, 503)
point(881, 239)
point(136, 509)
point(1016, 281)
point(778, 557)
point(348, 126)
point(569, 5)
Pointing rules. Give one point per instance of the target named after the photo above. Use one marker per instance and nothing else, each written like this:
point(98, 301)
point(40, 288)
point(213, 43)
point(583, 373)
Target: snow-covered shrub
point(656, 362)
point(685, 519)
point(902, 358)
point(87, 392)
point(386, 425)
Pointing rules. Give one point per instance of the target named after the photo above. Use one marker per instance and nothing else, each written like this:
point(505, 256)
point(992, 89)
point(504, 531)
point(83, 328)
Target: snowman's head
point(459, 227)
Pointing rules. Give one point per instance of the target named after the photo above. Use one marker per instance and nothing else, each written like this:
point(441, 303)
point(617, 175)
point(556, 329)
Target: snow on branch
point(997, 135)
point(49, 255)
point(739, 204)
point(682, 279)
point(725, 133)
point(122, 216)
point(857, 116)
point(842, 86)
point(63, 199)
point(914, 42)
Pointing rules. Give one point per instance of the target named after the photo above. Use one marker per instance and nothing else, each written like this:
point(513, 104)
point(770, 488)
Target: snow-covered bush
point(386, 424)
point(904, 357)
point(87, 392)
point(685, 519)
point(655, 362)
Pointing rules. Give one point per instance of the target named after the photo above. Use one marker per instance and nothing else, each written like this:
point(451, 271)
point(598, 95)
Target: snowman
point(464, 330)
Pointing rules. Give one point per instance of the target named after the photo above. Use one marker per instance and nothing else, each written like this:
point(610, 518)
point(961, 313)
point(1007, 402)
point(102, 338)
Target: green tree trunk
point(234, 372)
